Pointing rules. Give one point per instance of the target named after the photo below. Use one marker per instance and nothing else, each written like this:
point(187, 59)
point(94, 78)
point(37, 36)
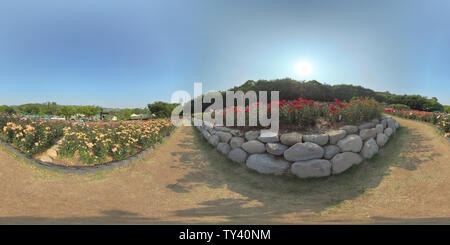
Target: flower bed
point(305, 156)
point(85, 143)
point(439, 119)
point(303, 114)
point(96, 143)
point(29, 136)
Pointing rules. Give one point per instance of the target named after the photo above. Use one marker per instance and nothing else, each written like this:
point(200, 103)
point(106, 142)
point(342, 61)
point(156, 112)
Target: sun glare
point(303, 68)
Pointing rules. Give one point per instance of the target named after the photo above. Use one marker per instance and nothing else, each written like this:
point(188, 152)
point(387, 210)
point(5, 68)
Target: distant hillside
point(292, 89)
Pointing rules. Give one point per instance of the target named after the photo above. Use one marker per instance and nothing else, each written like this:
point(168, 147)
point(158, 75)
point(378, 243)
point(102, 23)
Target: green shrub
point(399, 107)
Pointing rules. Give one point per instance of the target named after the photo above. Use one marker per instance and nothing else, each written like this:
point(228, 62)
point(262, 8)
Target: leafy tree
point(8, 110)
point(400, 107)
point(90, 111)
point(162, 109)
point(67, 111)
point(447, 108)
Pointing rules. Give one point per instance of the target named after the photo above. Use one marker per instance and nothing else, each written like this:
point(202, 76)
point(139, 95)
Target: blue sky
point(129, 53)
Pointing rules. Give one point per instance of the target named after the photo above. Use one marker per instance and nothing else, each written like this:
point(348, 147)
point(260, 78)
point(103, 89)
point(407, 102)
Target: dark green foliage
point(399, 107)
point(7, 110)
point(161, 109)
point(415, 102)
point(291, 89)
point(447, 108)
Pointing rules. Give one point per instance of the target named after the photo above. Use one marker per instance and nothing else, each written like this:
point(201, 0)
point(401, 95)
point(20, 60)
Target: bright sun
point(303, 68)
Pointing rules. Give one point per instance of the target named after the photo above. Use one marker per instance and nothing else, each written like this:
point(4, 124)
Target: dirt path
point(186, 181)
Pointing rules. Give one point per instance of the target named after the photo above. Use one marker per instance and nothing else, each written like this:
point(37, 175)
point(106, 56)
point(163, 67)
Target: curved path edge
point(85, 169)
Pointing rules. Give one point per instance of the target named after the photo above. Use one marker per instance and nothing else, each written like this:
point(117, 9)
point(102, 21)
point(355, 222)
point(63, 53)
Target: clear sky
point(129, 53)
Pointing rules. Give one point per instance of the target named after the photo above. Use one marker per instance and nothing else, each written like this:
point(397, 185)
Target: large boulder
point(369, 149)
point(291, 138)
point(375, 121)
point(236, 142)
point(320, 139)
point(336, 135)
point(368, 133)
point(396, 124)
point(251, 135)
point(351, 143)
point(366, 125)
point(381, 139)
point(303, 151)
point(238, 155)
point(224, 147)
point(267, 164)
point(224, 136)
point(350, 129)
point(384, 123)
point(276, 149)
point(343, 161)
point(388, 131)
point(379, 128)
point(254, 146)
point(206, 134)
point(236, 132)
point(391, 123)
point(331, 151)
point(224, 129)
point(268, 136)
point(213, 140)
point(311, 168)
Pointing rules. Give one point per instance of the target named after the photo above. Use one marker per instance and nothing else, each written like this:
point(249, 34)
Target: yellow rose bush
point(94, 143)
point(29, 136)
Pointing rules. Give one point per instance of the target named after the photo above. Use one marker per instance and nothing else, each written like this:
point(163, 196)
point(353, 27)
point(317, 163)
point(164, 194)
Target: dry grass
point(186, 181)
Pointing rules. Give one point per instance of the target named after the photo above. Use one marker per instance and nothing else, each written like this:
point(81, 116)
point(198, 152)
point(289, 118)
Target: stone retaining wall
point(83, 169)
point(301, 155)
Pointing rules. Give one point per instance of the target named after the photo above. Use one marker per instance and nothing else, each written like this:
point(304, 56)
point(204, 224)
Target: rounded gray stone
point(224, 148)
point(276, 148)
point(388, 131)
point(391, 123)
point(236, 142)
point(291, 138)
point(351, 143)
point(236, 132)
point(366, 125)
point(303, 151)
point(336, 135)
point(368, 133)
point(369, 149)
point(224, 136)
point(251, 135)
point(238, 155)
point(311, 168)
point(381, 139)
point(350, 129)
point(254, 146)
point(343, 161)
point(213, 140)
point(267, 136)
point(223, 129)
point(384, 123)
point(320, 139)
point(267, 164)
point(331, 151)
point(379, 128)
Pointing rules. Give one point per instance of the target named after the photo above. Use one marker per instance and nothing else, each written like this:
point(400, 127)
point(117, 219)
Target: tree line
point(290, 89)
point(53, 109)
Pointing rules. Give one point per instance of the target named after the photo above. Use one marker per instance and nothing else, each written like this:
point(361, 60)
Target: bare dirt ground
point(186, 181)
